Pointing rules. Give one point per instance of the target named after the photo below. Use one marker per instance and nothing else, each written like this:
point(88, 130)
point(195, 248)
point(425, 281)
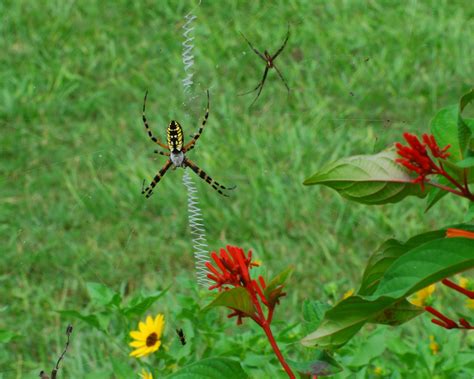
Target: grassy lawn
point(74, 151)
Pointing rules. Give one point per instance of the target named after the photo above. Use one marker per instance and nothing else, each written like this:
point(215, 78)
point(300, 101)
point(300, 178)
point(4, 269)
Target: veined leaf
point(386, 254)
point(275, 287)
point(237, 298)
point(464, 129)
point(211, 368)
point(425, 265)
point(401, 270)
point(344, 320)
point(368, 179)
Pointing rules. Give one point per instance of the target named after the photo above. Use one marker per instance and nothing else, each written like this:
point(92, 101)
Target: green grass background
point(74, 151)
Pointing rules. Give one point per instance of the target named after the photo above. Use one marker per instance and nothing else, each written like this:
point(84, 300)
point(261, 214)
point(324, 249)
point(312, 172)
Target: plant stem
point(454, 286)
point(268, 332)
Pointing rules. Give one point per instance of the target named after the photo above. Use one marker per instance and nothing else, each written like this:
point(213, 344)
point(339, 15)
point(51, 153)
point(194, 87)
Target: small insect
point(270, 63)
point(177, 154)
point(181, 336)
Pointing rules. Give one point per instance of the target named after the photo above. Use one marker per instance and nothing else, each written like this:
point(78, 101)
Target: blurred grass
point(74, 152)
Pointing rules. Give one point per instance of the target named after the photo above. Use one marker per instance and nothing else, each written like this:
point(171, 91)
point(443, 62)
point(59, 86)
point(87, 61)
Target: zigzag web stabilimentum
point(195, 217)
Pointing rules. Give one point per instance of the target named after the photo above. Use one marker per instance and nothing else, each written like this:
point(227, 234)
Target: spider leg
point(150, 134)
point(190, 145)
point(261, 86)
point(254, 49)
point(282, 78)
point(207, 178)
point(148, 191)
point(284, 44)
point(162, 153)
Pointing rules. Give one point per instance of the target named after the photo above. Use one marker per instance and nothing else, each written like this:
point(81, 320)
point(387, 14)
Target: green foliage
point(237, 298)
point(368, 179)
point(212, 368)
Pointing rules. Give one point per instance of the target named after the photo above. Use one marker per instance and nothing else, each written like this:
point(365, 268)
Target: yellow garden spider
point(177, 157)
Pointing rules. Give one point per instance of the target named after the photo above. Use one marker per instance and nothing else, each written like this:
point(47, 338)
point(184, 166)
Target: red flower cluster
point(234, 267)
point(232, 270)
point(416, 157)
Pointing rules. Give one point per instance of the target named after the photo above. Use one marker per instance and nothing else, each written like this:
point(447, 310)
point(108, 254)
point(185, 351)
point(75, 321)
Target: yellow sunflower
point(146, 375)
point(147, 338)
point(419, 299)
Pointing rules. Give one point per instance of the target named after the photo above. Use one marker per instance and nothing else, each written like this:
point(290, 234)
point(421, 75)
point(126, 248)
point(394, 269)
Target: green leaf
point(121, 369)
point(466, 163)
point(425, 265)
point(444, 128)
point(274, 289)
point(237, 298)
point(464, 129)
point(344, 320)
point(386, 254)
point(102, 295)
point(397, 314)
point(6, 336)
point(92, 320)
point(368, 349)
point(140, 304)
point(436, 194)
point(211, 368)
point(368, 179)
point(320, 364)
point(313, 310)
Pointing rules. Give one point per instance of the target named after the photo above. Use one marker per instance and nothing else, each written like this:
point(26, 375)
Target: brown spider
point(270, 63)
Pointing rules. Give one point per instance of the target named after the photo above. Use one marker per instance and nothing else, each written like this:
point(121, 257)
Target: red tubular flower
point(453, 233)
point(234, 266)
point(415, 157)
point(232, 270)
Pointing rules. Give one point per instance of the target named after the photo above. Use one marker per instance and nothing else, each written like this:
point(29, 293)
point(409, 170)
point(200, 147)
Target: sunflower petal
point(135, 334)
point(137, 343)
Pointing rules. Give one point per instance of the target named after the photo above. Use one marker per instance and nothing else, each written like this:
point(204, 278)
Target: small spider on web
point(270, 63)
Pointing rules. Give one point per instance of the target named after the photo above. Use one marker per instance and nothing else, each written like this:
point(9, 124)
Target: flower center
point(151, 339)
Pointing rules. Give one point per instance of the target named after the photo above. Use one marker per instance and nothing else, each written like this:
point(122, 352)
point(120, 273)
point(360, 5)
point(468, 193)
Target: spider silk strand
point(195, 217)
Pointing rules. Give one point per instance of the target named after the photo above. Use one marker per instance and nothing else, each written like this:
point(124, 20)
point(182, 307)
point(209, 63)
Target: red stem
point(464, 189)
point(448, 323)
point(260, 320)
point(268, 332)
point(454, 286)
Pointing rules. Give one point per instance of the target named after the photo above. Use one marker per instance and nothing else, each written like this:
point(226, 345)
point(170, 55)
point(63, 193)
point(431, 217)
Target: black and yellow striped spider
point(177, 154)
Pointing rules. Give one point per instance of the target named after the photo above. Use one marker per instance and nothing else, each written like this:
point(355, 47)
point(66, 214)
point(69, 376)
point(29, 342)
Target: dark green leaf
point(344, 320)
point(386, 254)
point(237, 298)
point(425, 265)
point(464, 129)
point(211, 368)
point(368, 179)
point(397, 314)
point(320, 364)
point(274, 289)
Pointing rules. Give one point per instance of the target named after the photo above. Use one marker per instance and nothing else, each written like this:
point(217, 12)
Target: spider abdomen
point(174, 135)
point(177, 159)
